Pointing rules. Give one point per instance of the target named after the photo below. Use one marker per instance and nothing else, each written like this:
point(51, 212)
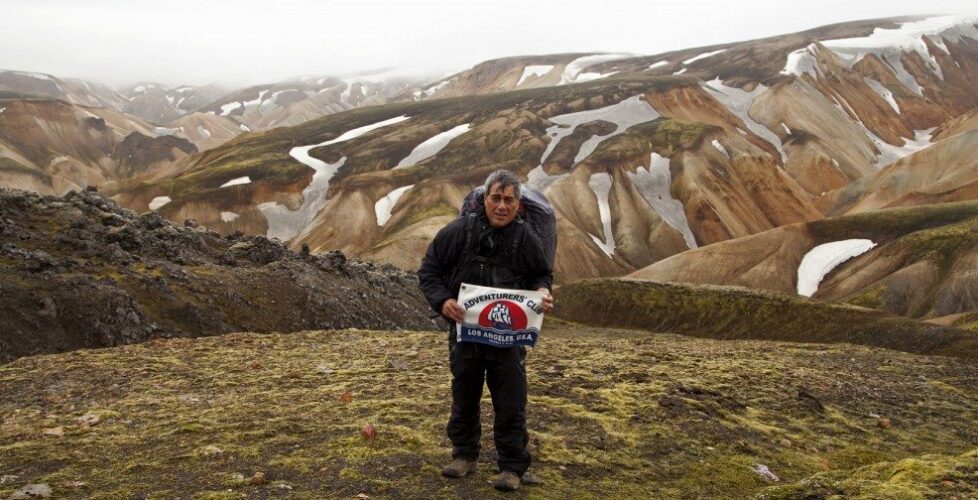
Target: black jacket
point(506, 257)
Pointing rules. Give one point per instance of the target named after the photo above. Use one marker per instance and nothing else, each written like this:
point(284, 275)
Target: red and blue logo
point(503, 315)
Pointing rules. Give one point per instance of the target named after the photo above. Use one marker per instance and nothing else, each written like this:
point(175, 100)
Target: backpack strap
point(469, 250)
point(471, 238)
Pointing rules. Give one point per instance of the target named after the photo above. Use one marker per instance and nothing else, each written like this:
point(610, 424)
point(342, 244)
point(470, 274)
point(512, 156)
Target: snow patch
point(237, 181)
point(601, 185)
point(654, 184)
point(624, 114)
point(244, 127)
point(889, 153)
point(658, 64)
point(256, 101)
point(229, 216)
point(161, 131)
point(574, 71)
point(889, 44)
point(802, 62)
point(883, 92)
point(286, 224)
point(203, 132)
point(739, 101)
point(229, 107)
point(385, 206)
point(786, 129)
point(680, 72)
point(539, 179)
point(704, 55)
point(535, 70)
point(432, 146)
point(719, 147)
point(357, 132)
point(822, 259)
point(432, 90)
point(158, 202)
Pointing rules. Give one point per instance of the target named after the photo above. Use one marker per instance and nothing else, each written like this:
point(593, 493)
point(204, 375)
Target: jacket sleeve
point(539, 273)
point(439, 260)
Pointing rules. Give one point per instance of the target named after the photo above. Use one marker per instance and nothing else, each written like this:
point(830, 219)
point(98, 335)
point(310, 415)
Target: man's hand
point(548, 300)
point(451, 310)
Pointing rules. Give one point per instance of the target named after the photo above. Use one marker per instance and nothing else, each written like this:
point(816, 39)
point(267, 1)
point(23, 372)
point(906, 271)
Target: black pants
point(504, 371)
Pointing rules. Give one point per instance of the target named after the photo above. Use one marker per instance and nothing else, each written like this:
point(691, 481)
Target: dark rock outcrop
point(79, 271)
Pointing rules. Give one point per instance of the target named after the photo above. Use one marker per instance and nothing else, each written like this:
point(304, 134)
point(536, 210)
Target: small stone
point(785, 442)
point(883, 423)
point(257, 478)
point(48, 307)
point(211, 450)
point(363, 495)
point(763, 471)
point(88, 420)
point(399, 364)
point(561, 467)
point(368, 432)
point(54, 431)
point(190, 223)
point(8, 479)
point(32, 491)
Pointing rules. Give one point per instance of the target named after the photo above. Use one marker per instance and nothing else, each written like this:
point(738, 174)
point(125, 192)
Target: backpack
point(535, 212)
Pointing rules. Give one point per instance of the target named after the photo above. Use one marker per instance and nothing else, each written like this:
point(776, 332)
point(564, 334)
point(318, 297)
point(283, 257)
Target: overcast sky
point(236, 42)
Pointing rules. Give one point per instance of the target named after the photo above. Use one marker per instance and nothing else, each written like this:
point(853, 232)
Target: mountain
point(160, 104)
point(465, 139)
point(643, 157)
point(915, 261)
point(639, 165)
point(52, 146)
point(511, 73)
point(65, 89)
point(292, 102)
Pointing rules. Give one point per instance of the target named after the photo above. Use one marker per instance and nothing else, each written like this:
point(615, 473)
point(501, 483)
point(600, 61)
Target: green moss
point(611, 413)
point(731, 312)
point(871, 298)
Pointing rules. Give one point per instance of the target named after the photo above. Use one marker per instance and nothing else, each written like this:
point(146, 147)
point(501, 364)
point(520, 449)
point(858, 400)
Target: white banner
point(500, 317)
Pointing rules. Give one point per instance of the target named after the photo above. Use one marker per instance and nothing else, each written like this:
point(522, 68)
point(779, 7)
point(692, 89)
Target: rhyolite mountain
point(643, 157)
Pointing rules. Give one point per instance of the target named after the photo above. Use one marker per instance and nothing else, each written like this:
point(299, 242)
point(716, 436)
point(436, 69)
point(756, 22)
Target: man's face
point(501, 205)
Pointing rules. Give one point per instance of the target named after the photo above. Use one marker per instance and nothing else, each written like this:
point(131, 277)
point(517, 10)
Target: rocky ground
point(79, 271)
point(613, 414)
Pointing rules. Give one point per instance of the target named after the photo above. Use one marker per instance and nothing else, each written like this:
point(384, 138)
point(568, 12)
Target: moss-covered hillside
point(739, 313)
point(612, 414)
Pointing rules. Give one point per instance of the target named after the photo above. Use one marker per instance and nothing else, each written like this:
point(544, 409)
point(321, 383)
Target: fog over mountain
point(249, 42)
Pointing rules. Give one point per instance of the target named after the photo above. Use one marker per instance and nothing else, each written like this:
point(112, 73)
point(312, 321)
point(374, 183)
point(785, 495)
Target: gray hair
point(504, 178)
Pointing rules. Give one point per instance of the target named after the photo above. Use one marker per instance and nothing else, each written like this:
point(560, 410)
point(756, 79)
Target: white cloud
point(251, 41)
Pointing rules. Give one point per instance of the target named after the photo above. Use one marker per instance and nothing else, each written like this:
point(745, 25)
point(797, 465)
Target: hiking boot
point(459, 468)
point(506, 481)
point(531, 479)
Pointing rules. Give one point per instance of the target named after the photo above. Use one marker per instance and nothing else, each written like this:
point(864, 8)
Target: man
point(495, 249)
